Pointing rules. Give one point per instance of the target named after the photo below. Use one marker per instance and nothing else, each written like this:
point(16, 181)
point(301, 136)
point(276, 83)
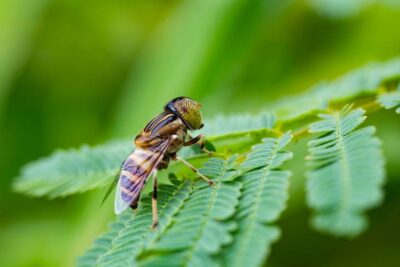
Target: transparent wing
point(112, 185)
point(110, 188)
point(120, 204)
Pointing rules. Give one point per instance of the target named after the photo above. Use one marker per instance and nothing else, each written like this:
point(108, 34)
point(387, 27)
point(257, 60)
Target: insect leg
point(195, 170)
point(193, 140)
point(154, 201)
point(200, 139)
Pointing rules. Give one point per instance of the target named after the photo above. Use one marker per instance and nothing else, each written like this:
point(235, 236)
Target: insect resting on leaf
point(156, 145)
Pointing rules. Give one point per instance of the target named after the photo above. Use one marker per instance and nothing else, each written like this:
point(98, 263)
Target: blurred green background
point(74, 72)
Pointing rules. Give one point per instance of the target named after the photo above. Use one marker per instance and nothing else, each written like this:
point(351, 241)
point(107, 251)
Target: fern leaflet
point(264, 195)
point(235, 123)
point(180, 205)
point(391, 100)
point(79, 170)
point(73, 171)
point(201, 228)
point(126, 243)
point(367, 80)
point(346, 172)
point(103, 243)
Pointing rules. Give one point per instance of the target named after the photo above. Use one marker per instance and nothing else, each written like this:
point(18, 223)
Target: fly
point(156, 145)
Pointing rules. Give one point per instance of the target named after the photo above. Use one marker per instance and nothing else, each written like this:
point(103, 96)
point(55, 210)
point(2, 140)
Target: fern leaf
point(80, 170)
point(124, 242)
point(391, 100)
point(180, 205)
point(130, 241)
point(201, 228)
point(103, 243)
point(264, 195)
point(73, 171)
point(364, 81)
point(346, 172)
point(235, 123)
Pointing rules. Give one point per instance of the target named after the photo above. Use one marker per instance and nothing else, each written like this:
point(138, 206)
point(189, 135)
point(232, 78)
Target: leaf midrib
point(345, 168)
point(143, 236)
point(206, 216)
point(253, 211)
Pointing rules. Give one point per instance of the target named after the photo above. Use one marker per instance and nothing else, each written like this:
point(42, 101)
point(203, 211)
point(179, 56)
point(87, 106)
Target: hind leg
point(154, 201)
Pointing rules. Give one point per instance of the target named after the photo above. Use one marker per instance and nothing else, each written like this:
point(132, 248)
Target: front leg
point(201, 141)
point(210, 182)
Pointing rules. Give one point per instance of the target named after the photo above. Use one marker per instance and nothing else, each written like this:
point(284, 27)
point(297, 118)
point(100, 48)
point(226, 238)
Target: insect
point(156, 145)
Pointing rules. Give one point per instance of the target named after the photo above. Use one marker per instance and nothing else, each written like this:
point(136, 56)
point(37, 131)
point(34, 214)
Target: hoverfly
point(156, 145)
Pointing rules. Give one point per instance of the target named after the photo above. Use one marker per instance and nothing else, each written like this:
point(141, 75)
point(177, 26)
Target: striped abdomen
point(134, 173)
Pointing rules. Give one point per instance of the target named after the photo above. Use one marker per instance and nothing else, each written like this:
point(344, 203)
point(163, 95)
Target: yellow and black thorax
point(161, 128)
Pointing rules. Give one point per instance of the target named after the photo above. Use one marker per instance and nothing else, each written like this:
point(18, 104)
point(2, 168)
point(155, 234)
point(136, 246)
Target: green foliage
point(103, 243)
point(123, 245)
point(136, 233)
point(346, 172)
point(78, 170)
point(201, 227)
point(72, 71)
point(73, 171)
point(234, 223)
point(391, 100)
point(198, 221)
point(264, 194)
point(222, 124)
point(365, 81)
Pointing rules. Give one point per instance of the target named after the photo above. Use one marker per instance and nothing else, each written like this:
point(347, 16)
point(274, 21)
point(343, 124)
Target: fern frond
point(201, 228)
point(125, 240)
point(346, 172)
point(264, 195)
point(364, 81)
point(237, 123)
point(195, 210)
point(80, 170)
point(103, 243)
point(391, 100)
point(73, 171)
point(196, 219)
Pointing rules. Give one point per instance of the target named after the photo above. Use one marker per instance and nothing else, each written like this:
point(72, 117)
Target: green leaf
point(365, 81)
point(390, 100)
point(346, 172)
point(237, 123)
point(195, 210)
point(201, 228)
point(79, 170)
point(125, 241)
point(264, 195)
point(103, 243)
point(73, 171)
point(198, 222)
point(136, 232)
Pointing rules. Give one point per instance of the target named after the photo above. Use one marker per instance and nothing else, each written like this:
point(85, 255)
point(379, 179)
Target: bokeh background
point(74, 72)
